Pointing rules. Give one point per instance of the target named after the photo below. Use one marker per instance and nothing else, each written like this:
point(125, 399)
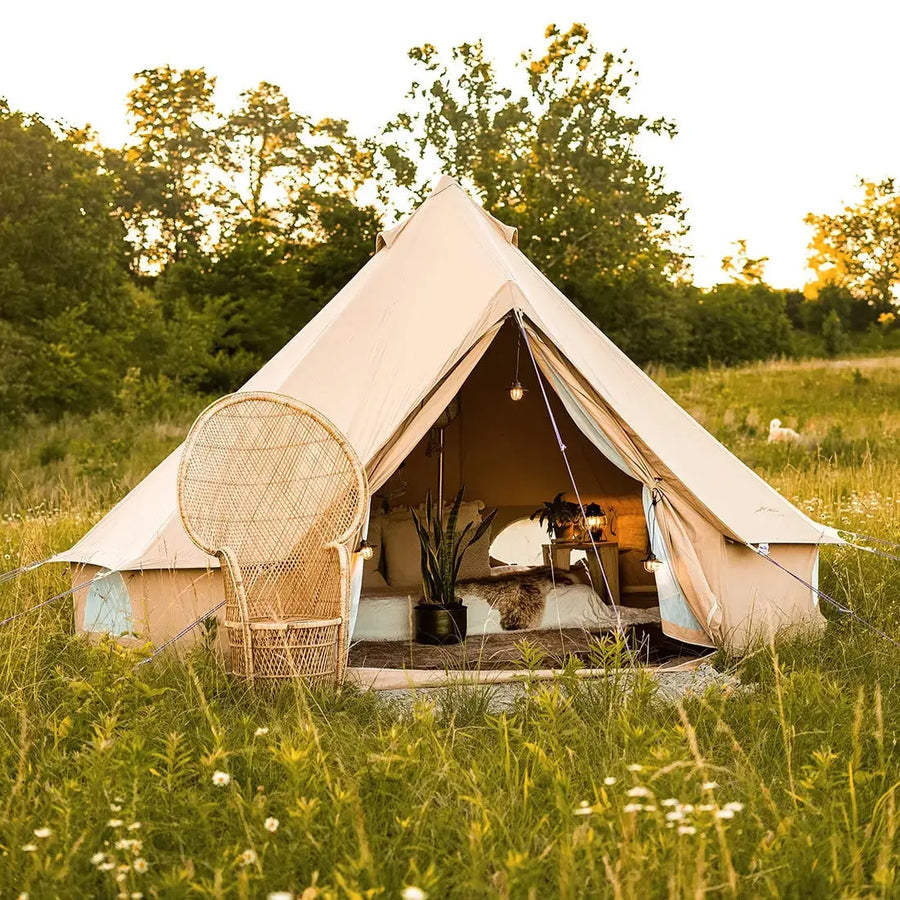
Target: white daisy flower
point(609, 780)
point(115, 807)
point(635, 767)
point(106, 867)
point(687, 829)
point(42, 832)
point(115, 823)
point(140, 865)
point(639, 792)
point(261, 732)
point(271, 824)
point(134, 826)
point(137, 895)
point(734, 806)
point(725, 814)
point(709, 785)
point(248, 858)
point(413, 893)
point(669, 801)
point(97, 858)
point(583, 810)
point(220, 779)
point(633, 807)
point(29, 848)
point(280, 895)
point(675, 816)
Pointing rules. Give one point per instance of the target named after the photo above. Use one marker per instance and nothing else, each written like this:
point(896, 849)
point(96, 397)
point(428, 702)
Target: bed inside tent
point(516, 584)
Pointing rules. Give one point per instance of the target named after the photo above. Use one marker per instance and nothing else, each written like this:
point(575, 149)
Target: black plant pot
point(440, 624)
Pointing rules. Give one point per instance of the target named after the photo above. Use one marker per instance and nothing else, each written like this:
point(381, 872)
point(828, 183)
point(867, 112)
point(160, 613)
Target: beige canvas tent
point(434, 315)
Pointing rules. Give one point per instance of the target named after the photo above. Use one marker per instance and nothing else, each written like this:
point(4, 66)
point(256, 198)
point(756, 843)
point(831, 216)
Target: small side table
point(609, 557)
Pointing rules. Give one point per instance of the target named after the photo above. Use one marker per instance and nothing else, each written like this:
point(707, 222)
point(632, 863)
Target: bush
point(736, 323)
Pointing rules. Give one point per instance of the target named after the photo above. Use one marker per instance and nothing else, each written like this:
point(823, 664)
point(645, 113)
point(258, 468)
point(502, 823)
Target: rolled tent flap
point(680, 525)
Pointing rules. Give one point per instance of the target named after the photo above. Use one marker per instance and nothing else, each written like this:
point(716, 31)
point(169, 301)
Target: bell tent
point(440, 312)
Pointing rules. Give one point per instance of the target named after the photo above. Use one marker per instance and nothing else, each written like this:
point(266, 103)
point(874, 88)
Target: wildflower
point(23, 896)
point(609, 780)
point(271, 824)
point(709, 785)
point(261, 732)
point(124, 844)
point(248, 857)
point(29, 848)
point(669, 801)
point(115, 823)
point(97, 858)
point(115, 807)
point(280, 895)
point(583, 809)
point(134, 826)
point(687, 829)
point(725, 814)
point(633, 807)
point(137, 895)
point(734, 806)
point(221, 779)
point(635, 767)
point(649, 808)
point(42, 832)
point(639, 792)
point(106, 867)
point(140, 865)
point(675, 816)
point(413, 893)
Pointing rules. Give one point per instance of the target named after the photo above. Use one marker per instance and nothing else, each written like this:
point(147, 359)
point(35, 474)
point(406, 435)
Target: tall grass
point(784, 786)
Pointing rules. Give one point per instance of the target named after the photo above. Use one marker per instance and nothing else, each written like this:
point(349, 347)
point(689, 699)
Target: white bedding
point(388, 617)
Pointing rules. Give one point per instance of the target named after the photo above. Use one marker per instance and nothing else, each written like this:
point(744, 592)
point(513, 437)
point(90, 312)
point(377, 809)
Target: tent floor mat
point(491, 652)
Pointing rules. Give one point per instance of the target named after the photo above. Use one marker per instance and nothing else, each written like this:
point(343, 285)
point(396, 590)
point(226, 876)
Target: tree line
point(183, 260)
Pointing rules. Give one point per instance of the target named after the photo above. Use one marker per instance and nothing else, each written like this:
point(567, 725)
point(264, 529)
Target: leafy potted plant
point(559, 516)
point(440, 617)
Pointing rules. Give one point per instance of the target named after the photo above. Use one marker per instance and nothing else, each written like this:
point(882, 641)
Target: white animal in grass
point(779, 435)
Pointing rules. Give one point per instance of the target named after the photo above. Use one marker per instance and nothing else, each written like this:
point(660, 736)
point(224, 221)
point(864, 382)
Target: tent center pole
point(440, 491)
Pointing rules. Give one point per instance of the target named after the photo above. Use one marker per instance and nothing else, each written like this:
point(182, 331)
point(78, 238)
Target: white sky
point(780, 105)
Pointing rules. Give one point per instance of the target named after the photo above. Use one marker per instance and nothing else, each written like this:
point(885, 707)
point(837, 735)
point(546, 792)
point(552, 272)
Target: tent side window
point(108, 605)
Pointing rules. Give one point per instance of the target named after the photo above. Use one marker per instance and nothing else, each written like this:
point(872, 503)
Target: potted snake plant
point(440, 616)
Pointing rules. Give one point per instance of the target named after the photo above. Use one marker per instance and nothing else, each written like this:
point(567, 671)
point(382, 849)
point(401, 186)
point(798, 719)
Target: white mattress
point(388, 616)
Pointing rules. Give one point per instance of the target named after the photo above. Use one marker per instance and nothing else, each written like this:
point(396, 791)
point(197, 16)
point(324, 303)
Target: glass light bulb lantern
point(595, 519)
point(366, 550)
point(516, 391)
point(652, 564)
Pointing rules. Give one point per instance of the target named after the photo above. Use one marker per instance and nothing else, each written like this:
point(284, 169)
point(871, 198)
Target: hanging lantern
point(651, 563)
point(366, 550)
point(516, 391)
point(595, 520)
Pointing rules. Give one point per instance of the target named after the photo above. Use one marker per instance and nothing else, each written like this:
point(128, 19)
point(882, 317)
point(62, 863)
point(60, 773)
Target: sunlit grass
point(784, 786)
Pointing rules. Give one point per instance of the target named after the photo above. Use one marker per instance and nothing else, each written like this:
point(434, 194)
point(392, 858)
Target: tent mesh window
point(275, 491)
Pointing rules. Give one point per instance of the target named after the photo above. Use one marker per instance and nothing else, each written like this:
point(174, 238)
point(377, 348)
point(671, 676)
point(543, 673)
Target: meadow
point(173, 780)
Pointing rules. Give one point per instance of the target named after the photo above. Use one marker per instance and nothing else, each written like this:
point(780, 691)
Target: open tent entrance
point(507, 456)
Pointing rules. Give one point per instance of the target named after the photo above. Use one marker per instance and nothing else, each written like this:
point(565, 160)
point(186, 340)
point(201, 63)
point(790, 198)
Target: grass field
point(785, 787)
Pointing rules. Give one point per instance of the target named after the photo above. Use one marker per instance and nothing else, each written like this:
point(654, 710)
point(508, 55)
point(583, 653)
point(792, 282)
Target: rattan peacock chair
point(274, 490)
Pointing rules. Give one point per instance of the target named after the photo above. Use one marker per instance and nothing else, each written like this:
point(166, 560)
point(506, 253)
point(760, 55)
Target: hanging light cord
point(565, 456)
point(840, 607)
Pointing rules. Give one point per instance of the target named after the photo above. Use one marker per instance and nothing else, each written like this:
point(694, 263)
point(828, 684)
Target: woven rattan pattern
point(275, 491)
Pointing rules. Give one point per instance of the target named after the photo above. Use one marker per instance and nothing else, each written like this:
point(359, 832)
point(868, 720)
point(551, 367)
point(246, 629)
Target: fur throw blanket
point(519, 596)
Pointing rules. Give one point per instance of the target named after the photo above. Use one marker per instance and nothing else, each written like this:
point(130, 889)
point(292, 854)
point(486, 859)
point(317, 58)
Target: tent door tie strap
point(565, 456)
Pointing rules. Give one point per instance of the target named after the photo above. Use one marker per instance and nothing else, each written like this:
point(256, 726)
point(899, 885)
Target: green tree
point(558, 159)
point(164, 169)
point(66, 306)
point(859, 248)
point(742, 268)
point(275, 168)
